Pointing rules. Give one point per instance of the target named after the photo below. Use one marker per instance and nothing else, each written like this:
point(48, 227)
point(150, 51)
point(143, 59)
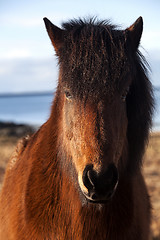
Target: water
point(156, 117)
point(35, 109)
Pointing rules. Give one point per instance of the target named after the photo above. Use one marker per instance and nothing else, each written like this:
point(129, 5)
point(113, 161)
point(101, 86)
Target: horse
point(79, 176)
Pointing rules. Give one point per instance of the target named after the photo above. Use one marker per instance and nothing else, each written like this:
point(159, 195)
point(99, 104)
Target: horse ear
point(134, 33)
point(56, 34)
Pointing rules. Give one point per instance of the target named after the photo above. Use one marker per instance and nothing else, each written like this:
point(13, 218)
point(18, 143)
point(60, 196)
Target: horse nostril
point(92, 176)
point(93, 196)
point(86, 177)
point(102, 184)
point(111, 175)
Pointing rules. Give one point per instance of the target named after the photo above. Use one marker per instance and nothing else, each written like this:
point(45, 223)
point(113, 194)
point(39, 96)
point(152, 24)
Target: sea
point(34, 109)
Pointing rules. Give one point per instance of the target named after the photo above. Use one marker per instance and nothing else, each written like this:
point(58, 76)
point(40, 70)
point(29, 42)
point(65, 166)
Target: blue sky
point(27, 60)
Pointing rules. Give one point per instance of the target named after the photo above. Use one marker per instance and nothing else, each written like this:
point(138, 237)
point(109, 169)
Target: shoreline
point(12, 129)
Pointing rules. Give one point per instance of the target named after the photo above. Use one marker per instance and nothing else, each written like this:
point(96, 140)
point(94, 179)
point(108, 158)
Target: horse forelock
point(93, 57)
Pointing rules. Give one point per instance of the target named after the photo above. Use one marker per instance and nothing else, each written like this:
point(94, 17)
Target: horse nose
point(100, 186)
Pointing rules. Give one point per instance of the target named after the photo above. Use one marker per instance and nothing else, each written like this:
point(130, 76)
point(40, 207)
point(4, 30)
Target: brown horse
point(79, 177)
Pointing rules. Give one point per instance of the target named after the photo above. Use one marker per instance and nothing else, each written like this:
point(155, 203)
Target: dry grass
point(151, 172)
point(7, 146)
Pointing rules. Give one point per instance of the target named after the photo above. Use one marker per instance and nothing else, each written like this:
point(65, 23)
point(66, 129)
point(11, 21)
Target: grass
point(151, 171)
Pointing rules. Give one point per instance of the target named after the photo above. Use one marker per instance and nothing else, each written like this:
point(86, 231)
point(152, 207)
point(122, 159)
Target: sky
point(27, 58)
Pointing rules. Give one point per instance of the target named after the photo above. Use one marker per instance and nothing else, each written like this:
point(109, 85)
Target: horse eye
point(68, 95)
point(124, 95)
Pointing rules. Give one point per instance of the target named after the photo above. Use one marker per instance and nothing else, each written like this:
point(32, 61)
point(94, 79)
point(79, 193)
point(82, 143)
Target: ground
point(151, 171)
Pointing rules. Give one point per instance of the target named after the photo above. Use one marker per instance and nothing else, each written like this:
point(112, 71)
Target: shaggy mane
point(97, 57)
point(80, 23)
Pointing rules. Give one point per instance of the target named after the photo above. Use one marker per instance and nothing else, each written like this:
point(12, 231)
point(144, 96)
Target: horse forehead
point(93, 108)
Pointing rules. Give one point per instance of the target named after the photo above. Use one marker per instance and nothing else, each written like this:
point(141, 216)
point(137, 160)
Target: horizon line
point(27, 94)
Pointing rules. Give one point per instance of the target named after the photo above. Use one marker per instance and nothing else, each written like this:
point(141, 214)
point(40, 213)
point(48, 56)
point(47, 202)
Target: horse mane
point(80, 23)
point(140, 106)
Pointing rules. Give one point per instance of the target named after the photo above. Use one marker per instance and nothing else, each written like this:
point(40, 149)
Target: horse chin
point(104, 200)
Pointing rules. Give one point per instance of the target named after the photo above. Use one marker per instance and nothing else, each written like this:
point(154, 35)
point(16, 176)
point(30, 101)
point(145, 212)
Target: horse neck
point(57, 197)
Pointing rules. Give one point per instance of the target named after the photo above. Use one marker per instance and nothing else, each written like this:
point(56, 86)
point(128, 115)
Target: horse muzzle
point(100, 186)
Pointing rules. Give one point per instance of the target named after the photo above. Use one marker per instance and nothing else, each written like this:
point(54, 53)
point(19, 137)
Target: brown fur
point(42, 196)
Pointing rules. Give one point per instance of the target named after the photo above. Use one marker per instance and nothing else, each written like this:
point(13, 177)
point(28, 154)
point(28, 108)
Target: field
point(151, 170)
